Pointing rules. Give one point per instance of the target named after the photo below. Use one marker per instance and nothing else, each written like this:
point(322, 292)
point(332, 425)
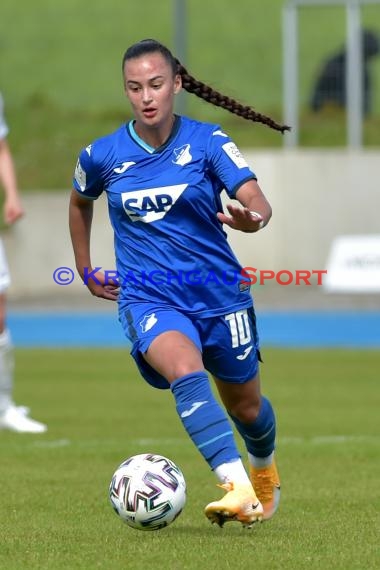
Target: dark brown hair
point(198, 88)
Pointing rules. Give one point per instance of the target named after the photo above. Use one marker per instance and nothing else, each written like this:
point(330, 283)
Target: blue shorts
point(229, 343)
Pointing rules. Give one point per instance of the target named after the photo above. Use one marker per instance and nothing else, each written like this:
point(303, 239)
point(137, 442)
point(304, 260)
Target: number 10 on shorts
point(239, 328)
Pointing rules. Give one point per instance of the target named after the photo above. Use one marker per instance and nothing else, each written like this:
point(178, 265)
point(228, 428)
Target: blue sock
point(203, 418)
point(259, 437)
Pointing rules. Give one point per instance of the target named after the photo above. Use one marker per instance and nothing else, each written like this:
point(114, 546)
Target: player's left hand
point(102, 287)
point(241, 219)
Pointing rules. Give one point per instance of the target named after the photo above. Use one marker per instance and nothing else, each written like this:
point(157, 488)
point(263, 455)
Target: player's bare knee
point(246, 412)
point(181, 369)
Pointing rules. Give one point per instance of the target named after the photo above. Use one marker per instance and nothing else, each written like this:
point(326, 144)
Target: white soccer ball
point(148, 491)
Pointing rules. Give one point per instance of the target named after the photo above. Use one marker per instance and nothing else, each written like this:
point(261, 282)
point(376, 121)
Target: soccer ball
point(148, 491)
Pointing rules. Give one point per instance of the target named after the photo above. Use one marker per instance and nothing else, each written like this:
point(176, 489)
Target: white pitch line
point(151, 442)
point(329, 439)
point(315, 440)
point(52, 444)
point(163, 441)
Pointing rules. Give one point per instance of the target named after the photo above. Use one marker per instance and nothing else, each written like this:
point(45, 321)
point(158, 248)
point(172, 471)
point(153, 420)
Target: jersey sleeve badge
point(235, 155)
point(80, 176)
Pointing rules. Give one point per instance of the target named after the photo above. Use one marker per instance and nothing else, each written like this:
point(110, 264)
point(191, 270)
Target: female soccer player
point(183, 304)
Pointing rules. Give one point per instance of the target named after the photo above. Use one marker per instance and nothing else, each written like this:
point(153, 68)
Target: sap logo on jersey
point(151, 204)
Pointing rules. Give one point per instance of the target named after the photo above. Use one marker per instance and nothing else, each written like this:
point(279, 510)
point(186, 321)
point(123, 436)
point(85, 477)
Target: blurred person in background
point(12, 417)
point(330, 84)
point(163, 175)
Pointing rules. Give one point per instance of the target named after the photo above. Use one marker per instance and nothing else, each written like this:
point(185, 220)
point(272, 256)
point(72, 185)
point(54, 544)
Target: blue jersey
point(170, 247)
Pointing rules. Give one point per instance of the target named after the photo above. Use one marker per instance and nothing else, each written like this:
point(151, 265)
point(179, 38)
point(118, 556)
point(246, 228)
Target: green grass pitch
point(54, 510)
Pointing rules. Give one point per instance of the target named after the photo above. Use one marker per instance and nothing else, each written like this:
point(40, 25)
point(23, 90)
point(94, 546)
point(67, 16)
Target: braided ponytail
point(205, 92)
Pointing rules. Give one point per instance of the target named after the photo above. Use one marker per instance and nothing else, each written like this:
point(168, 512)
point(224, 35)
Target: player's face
point(150, 88)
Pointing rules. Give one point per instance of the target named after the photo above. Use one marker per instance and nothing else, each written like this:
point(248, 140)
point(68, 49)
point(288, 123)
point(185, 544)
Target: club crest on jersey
point(182, 155)
point(151, 204)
